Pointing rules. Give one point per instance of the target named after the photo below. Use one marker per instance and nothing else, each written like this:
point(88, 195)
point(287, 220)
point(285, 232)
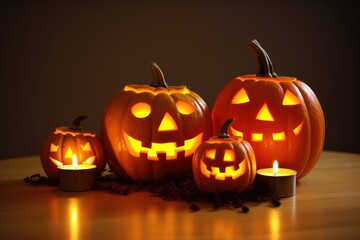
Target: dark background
point(62, 59)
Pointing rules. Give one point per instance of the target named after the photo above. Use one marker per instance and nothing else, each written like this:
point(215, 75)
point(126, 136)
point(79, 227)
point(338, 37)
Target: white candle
point(275, 181)
point(75, 177)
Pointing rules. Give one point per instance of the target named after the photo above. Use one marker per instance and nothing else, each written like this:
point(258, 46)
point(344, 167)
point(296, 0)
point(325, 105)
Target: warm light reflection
point(274, 224)
point(56, 217)
point(222, 228)
point(75, 161)
point(74, 219)
point(159, 221)
point(275, 167)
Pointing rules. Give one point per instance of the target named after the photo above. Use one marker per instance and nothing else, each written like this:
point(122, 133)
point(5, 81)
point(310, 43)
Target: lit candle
point(75, 177)
point(275, 181)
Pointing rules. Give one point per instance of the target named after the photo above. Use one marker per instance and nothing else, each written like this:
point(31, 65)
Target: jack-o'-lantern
point(279, 116)
point(61, 145)
point(224, 163)
point(150, 132)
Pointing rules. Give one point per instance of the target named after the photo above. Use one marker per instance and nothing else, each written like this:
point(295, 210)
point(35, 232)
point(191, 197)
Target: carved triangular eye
point(290, 99)
point(240, 97)
point(298, 128)
point(185, 107)
point(86, 147)
point(54, 148)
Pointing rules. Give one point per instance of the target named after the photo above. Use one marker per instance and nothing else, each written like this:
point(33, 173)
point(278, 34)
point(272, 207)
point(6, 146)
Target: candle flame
point(75, 161)
point(275, 167)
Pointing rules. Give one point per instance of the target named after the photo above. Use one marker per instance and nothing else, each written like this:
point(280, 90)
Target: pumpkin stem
point(224, 129)
point(266, 68)
point(76, 123)
point(158, 76)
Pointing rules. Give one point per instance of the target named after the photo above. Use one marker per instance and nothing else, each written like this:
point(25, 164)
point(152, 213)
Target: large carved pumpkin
point(279, 116)
point(224, 163)
point(150, 132)
point(61, 145)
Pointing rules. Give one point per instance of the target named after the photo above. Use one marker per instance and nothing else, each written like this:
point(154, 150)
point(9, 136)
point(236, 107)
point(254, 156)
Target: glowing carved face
point(264, 115)
point(167, 126)
point(151, 131)
point(162, 133)
point(271, 115)
point(222, 166)
point(66, 144)
point(279, 116)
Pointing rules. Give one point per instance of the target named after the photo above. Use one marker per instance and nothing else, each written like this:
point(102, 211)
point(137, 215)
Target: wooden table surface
point(326, 206)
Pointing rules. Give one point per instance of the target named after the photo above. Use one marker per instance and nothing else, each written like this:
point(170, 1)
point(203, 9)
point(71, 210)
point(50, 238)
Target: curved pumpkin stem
point(266, 68)
point(158, 76)
point(224, 129)
point(76, 123)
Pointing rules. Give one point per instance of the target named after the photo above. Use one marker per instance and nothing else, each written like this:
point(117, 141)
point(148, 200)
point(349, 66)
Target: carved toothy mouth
point(166, 151)
point(229, 172)
point(258, 137)
point(88, 161)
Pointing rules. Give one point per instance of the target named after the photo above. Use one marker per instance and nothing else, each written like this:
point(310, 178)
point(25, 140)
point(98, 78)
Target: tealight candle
point(276, 182)
point(76, 178)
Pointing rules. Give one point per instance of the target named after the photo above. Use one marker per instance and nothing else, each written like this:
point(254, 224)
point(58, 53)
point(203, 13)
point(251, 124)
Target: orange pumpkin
point(61, 145)
point(279, 116)
point(150, 132)
point(224, 163)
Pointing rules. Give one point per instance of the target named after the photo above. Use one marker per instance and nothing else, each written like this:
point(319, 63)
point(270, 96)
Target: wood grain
point(326, 206)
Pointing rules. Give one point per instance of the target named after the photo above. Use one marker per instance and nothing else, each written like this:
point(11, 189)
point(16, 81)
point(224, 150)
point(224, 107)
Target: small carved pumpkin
point(279, 116)
point(224, 163)
point(61, 145)
point(151, 132)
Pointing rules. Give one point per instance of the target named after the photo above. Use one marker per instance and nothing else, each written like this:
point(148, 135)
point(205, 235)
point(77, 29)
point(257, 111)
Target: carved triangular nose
point(167, 123)
point(69, 153)
point(264, 114)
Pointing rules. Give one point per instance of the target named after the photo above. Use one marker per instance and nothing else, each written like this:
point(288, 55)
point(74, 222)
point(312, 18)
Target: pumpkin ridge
point(316, 140)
